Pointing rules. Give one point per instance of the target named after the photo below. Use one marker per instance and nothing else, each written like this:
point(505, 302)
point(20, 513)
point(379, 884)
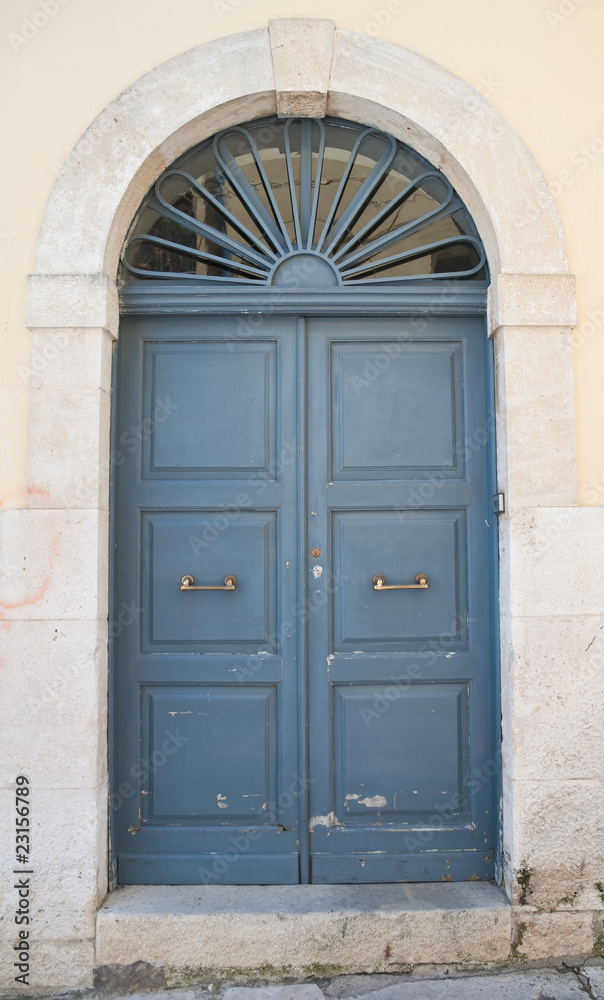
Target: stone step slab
point(320, 930)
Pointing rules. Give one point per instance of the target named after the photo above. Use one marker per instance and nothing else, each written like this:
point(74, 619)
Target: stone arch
point(348, 75)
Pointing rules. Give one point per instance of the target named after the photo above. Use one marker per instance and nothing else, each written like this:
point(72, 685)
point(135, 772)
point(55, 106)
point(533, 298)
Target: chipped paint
point(330, 820)
point(222, 803)
point(317, 571)
point(373, 802)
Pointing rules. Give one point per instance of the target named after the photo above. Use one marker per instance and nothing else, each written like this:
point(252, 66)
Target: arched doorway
point(304, 524)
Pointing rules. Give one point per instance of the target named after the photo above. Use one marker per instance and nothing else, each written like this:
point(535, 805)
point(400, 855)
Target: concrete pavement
point(431, 983)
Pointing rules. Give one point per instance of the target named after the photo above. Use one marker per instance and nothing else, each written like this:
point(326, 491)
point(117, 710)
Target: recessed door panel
point(221, 767)
point(210, 547)
point(401, 753)
point(397, 409)
point(399, 546)
point(210, 409)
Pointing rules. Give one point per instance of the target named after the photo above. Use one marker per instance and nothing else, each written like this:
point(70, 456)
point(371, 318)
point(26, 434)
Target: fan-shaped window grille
point(326, 200)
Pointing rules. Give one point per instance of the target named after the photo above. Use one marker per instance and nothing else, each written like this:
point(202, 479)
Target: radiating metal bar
point(275, 227)
point(340, 190)
point(296, 209)
point(403, 233)
point(305, 179)
point(359, 202)
point(188, 251)
point(396, 202)
point(196, 226)
point(317, 191)
point(422, 251)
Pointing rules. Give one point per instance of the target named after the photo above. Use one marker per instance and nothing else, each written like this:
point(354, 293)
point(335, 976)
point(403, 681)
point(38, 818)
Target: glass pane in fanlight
point(260, 232)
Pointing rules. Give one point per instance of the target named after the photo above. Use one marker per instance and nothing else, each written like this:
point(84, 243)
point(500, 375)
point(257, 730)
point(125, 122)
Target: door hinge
point(498, 503)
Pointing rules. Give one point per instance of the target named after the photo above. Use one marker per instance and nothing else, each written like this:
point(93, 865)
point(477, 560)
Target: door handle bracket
point(421, 583)
point(188, 583)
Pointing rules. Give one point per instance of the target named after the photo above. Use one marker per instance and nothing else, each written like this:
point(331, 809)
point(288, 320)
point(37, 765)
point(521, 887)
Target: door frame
point(440, 299)
point(72, 309)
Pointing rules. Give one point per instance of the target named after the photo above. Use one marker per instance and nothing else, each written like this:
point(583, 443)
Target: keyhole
point(316, 553)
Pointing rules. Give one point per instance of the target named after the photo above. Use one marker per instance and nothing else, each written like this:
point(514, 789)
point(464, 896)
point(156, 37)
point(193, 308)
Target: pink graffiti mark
point(39, 593)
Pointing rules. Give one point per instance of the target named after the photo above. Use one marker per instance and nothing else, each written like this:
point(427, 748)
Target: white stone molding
point(73, 301)
point(297, 66)
point(532, 300)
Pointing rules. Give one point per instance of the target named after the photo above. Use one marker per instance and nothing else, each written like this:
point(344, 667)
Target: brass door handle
point(187, 583)
point(421, 583)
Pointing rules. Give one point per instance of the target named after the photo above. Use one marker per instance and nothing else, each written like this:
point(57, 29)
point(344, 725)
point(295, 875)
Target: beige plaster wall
point(538, 61)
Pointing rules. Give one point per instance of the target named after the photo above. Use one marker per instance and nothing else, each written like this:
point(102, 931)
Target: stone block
point(556, 680)
point(557, 843)
point(302, 52)
point(69, 448)
point(64, 844)
point(66, 301)
point(554, 561)
point(53, 683)
point(92, 204)
point(297, 991)
point(55, 564)
point(536, 984)
point(553, 935)
point(171, 99)
point(77, 359)
point(595, 978)
point(548, 300)
point(59, 964)
point(458, 130)
point(537, 463)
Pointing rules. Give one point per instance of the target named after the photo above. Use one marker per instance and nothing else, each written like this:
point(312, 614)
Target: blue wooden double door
point(321, 709)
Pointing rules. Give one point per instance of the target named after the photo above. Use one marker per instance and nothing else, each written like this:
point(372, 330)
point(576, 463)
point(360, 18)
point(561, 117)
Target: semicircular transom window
point(303, 202)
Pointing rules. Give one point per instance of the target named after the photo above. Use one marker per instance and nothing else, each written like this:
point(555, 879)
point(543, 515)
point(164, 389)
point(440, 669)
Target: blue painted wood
point(368, 440)
point(433, 298)
point(207, 703)
point(400, 682)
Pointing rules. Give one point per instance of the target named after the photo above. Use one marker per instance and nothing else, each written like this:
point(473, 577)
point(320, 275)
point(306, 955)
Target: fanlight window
point(343, 203)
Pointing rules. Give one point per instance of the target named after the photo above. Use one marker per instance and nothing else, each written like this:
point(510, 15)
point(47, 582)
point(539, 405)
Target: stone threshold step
point(322, 929)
